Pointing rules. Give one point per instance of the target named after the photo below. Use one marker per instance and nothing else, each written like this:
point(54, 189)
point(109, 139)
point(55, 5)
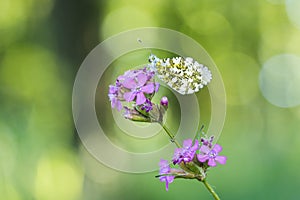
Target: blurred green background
point(43, 43)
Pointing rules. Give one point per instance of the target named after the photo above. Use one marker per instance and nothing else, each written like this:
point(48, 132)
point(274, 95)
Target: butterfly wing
point(184, 75)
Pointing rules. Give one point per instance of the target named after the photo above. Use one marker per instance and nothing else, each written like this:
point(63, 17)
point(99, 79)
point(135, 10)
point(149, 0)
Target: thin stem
point(211, 190)
point(170, 135)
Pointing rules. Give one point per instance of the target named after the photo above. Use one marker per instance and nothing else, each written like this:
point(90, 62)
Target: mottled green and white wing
point(184, 75)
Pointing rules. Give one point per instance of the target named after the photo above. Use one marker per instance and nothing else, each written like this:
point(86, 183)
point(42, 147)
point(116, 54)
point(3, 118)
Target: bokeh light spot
point(117, 20)
point(240, 73)
point(58, 177)
point(280, 80)
point(276, 1)
point(292, 9)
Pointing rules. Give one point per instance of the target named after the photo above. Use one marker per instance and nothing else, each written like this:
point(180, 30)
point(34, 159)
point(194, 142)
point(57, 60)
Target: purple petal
point(217, 148)
point(129, 83)
point(212, 162)
point(164, 168)
point(162, 178)
point(111, 96)
point(167, 185)
point(170, 179)
point(129, 96)
point(163, 163)
point(187, 143)
point(221, 159)
point(157, 87)
point(119, 105)
point(140, 98)
point(204, 149)
point(202, 158)
point(196, 146)
point(148, 88)
point(141, 79)
point(112, 89)
point(113, 103)
point(176, 155)
point(177, 151)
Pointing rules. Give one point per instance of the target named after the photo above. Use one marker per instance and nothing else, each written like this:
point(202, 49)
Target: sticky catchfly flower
point(164, 169)
point(211, 155)
point(135, 86)
point(138, 87)
point(186, 153)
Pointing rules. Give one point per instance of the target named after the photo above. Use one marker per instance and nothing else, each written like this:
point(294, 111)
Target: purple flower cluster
point(186, 153)
point(192, 157)
point(136, 86)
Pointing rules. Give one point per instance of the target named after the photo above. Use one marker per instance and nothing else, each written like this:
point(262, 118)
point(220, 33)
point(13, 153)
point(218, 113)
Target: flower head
point(164, 169)
point(138, 86)
point(186, 153)
point(211, 155)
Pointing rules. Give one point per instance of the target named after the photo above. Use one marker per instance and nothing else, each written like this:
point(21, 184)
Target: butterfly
point(184, 75)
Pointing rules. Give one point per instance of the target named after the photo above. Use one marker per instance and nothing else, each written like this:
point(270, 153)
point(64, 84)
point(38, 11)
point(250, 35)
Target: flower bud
point(164, 101)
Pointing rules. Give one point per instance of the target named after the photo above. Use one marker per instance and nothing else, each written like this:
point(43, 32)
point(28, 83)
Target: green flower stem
point(211, 190)
point(170, 135)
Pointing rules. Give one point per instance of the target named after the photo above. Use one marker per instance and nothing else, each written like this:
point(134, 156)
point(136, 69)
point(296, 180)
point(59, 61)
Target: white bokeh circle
point(93, 67)
point(279, 80)
point(292, 9)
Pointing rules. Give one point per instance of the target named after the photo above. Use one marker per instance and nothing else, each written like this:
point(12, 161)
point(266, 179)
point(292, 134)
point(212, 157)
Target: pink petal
point(119, 105)
point(170, 179)
point(129, 96)
point(163, 163)
point(204, 149)
point(162, 178)
point(187, 143)
point(167, 185)
point(221, 159)
point(217, 148)
point(177, 152)
point(202, 158)
point(113, 103)
point(156, 86)
point(212, 162)
point(141, 79)
point(129, 83)
point(140, 98)
point(148, 88)
point(196, 146)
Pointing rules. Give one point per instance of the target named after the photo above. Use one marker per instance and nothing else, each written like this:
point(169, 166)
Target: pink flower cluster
point(135, 86)
point(207, 156)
